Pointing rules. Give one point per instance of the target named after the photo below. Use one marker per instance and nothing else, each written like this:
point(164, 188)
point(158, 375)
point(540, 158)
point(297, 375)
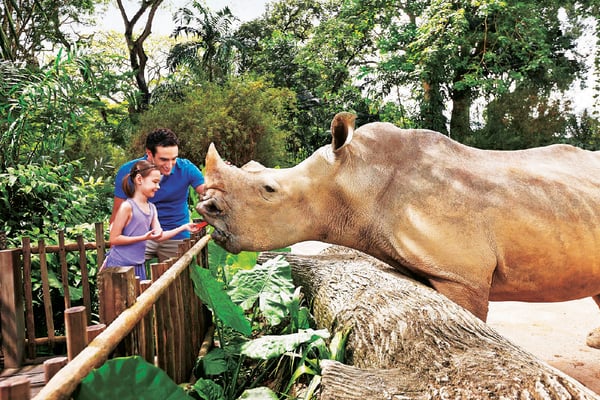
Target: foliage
point(242, 117)
point(37, 199)
point(141, 379)
point(316, 61)
point(135, 39)
point(455, 52)
point(41, 123)
point(284, 350)
point(264, 338)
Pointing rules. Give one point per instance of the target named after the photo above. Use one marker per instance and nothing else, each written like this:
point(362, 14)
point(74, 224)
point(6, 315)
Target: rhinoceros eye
point(269, 189)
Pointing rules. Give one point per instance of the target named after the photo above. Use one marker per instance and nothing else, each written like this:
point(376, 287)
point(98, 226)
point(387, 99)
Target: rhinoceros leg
point(474, 300)
point(593, 338)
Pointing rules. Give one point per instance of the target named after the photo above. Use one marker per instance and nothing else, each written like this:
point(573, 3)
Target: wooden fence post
point(76, 330)
point(46, 294)
point(15, 389)
point(12, 312)
point(116, 293)
point(164, 343)
point(95, 330)
point(52, 366)
point(64, 268)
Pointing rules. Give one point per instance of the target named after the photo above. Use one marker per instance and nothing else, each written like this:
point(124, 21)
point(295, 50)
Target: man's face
point(164, 158)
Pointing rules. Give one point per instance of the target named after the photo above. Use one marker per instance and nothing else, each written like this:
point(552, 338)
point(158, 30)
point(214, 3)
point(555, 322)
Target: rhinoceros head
point(256, 208)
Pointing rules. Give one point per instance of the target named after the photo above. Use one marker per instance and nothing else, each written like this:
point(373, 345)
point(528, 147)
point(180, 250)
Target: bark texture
point(409, 342)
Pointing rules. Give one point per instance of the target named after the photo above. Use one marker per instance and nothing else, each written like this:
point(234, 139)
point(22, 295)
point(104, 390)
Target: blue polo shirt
point(171, 199)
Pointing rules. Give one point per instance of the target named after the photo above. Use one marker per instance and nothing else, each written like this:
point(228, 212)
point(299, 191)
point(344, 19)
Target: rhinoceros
point(476, 225)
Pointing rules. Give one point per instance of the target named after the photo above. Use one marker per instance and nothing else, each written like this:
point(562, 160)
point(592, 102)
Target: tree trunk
point(409, 342)
point(460, 120)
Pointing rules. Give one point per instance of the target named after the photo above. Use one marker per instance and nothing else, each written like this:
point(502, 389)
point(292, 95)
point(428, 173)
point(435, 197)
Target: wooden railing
point(65, 381)
point(162, 320)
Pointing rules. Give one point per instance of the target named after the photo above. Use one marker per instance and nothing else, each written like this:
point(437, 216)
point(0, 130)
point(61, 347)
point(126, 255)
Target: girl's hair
point(143, 168)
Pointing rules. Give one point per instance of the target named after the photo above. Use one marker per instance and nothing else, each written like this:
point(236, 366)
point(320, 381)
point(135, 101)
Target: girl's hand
point(155, 234)
point(194, 227)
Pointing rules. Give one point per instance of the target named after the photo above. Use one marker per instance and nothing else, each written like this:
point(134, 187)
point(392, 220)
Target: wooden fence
point(17, 328)
point(161, 320)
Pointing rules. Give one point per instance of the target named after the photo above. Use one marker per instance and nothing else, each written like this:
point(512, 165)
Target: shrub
point(242, 118)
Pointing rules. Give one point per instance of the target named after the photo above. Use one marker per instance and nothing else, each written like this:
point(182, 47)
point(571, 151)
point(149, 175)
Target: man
point(178, 175)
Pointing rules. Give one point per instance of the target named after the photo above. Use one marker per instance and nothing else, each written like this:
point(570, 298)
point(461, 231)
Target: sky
point(245, 10)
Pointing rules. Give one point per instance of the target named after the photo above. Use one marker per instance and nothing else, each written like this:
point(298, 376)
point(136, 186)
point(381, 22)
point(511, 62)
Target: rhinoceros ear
point(342, 128)
point(253, 166)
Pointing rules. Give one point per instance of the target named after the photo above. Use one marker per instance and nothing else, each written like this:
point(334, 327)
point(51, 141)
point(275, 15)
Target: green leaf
point(271, 346)
point(270, 284)
point(75, 293)
point(212, 294)
point(209, 390)
point(337, 347)
point(214, 363)
point(128, 378)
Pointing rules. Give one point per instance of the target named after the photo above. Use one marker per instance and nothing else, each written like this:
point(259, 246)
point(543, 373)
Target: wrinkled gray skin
point(476, 225)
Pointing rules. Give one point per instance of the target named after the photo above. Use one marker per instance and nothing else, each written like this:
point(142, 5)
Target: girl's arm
point(190, 226)
point(121, 220)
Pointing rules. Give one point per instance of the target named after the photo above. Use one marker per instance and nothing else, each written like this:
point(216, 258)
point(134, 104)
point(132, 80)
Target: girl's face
point(150, 183)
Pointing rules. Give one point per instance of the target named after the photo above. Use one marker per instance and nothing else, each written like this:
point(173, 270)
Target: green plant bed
point(266, 346)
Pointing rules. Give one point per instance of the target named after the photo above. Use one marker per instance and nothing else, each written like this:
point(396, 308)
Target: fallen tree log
point(409, 342)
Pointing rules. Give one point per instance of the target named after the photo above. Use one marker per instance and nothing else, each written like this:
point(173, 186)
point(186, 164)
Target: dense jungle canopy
point(76, 101)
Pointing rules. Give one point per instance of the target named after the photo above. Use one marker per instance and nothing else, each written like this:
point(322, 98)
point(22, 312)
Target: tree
point(456, 52)
point(211, 54)
point(407, 341)
point(135, 45)
point(316, 60)
point(30, 26)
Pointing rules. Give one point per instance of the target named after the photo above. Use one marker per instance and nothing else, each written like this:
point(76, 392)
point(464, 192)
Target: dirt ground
point(553, 332)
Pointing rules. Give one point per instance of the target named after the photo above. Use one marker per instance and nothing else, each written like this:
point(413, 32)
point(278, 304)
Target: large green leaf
point(214, 363)
point(267, 347)
point(128, 378)
point(269, 284)
point(212, 294)
point(209, 390)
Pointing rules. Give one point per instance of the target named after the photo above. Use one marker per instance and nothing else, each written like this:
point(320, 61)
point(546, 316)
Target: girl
point(137, 220)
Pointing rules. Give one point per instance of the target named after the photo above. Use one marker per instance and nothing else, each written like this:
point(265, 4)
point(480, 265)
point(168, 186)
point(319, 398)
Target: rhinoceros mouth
point(220, 236)
point(225, 240)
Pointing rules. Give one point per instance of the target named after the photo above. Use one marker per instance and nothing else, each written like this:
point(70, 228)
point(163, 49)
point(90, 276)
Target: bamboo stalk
point(100, 243)
point(46, 294)
point(28, 287)
point(85, 279)
point(64, 269)
point(62, 385)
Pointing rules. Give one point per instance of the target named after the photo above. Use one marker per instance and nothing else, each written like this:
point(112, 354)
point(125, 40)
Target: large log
point(409, 342)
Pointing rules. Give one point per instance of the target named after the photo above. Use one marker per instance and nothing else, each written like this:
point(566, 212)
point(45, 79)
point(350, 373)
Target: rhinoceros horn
point(214, 164)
